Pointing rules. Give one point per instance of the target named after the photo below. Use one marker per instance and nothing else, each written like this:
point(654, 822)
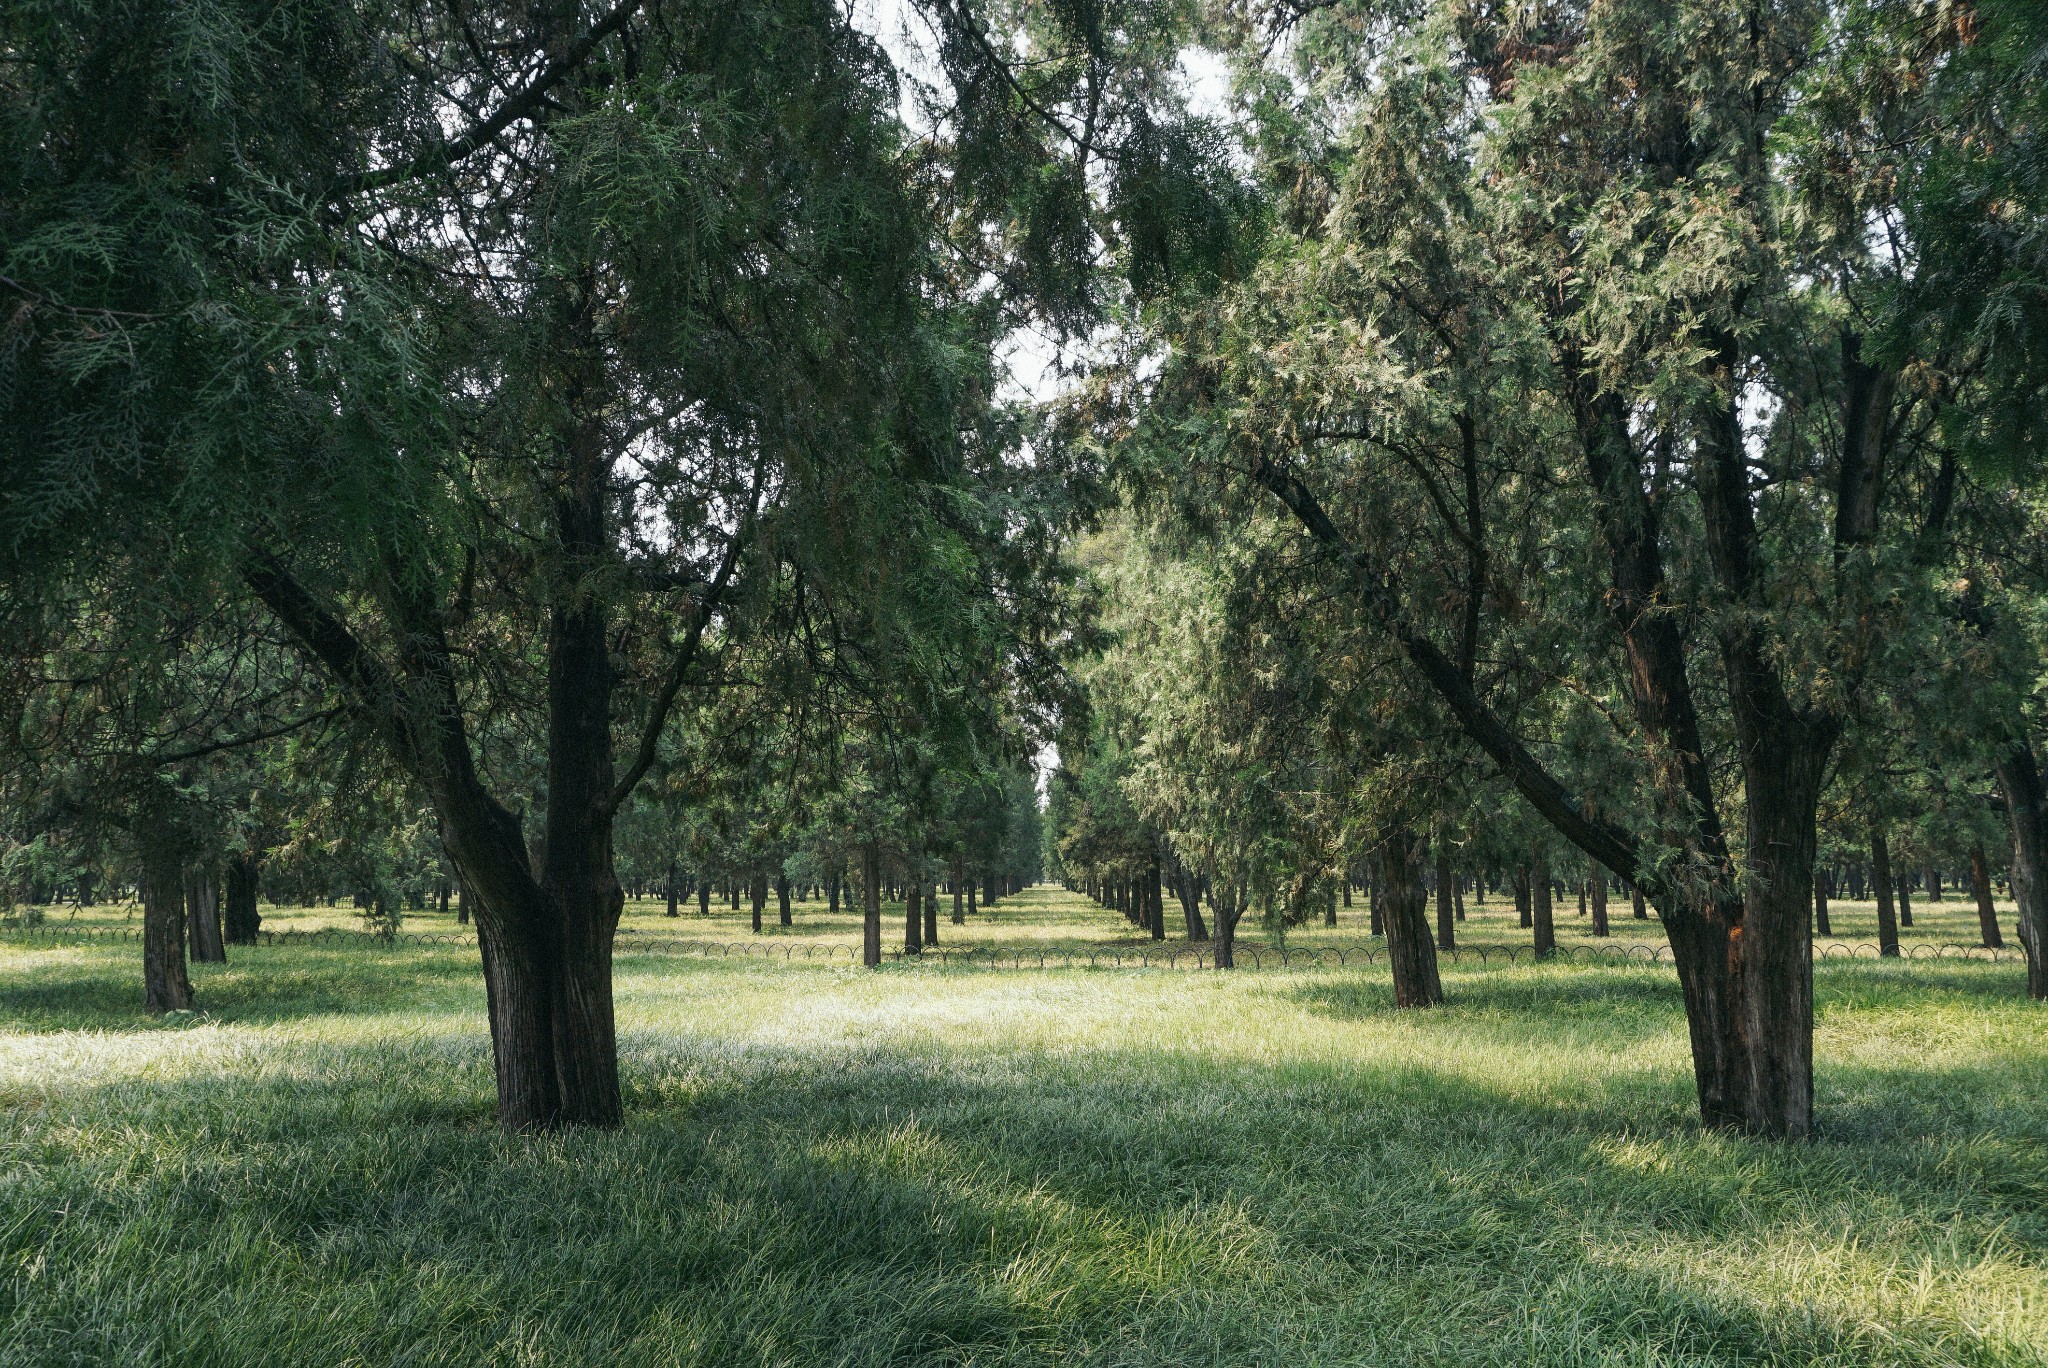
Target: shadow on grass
point(880, 1205)
point(54, 991)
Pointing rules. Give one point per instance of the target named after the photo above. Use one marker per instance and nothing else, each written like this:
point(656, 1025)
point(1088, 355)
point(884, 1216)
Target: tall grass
point(922, 1165)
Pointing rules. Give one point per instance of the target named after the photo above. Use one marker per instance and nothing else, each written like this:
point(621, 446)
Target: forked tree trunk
point(1980, 887)
point(241, 919)
point(1881, 881)
point(202, 917)
point(165, 985)
point(1410, 952)
point(1188, 889)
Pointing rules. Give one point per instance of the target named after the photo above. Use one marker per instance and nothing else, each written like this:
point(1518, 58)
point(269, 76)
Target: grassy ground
point(928, 1165)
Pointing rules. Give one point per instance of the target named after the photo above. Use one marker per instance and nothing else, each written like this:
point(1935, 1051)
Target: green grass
point(928, 1165)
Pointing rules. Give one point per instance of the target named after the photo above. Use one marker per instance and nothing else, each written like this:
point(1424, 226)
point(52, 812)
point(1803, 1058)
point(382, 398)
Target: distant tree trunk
point(242, 919)
point(202, 912)
point(1458, 894)
point(1446, 899)
point(1636, 907)
point(1188, 889)
point(1881, 879)
point(931, 914)
point(1905, 901)
point(871, 908)
point(832, 895)
point(1229, 909)
point(1980, 885)
point(1933, 883)
point(1155, 902)
point(1599, 890)
point(461, 901)
point(971, 909)
point(165, 986)
point(913, 917)
point(674, 894)
point(757, 897)
point(2026, 813)
point(1540, 919)
point(1376, 914)
point(959, 898)
point(1524, 916)
point(1410, 952)
point(782, 900)
point(1821, 925)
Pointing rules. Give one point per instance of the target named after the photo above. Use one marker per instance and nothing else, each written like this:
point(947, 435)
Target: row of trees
point(1627, 407)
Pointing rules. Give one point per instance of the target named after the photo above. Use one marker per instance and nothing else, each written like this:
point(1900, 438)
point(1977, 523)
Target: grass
point(924, 1165)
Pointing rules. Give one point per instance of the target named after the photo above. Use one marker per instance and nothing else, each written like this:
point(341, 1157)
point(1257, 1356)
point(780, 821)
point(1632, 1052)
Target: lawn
point(930, 1164)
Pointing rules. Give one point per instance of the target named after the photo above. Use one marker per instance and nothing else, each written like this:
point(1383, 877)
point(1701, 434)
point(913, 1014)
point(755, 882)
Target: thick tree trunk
point(1228, 909)
point(242, 919)
point(202, 916)
point(1410, 952)
point(1636, 904)
point(1188, 889)
point(1446, 899)
point(165, 986)
point(1598, 880)
point(1980, 887)
point(2026, 812)
point(871, 905)
point(1881, 880)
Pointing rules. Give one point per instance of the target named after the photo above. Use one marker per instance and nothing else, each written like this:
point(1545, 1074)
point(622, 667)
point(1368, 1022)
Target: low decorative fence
point(1168, 956)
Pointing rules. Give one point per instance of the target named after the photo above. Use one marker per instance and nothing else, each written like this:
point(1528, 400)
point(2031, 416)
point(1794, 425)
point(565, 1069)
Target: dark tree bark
point(1980, 887)
point(1636, 907)
point(757, 897)
point(1446, 899)
point(1376, 913)
point(1155, 901)
point(871, 905)
point(1821, 925)
point(913, 917)
point(959, 899)
point(202, 916)
point(674, 893)
point(1881, 879)
point(1905, 901)
point(165, 985)
point(1525, 915)
point(2026, 813)
point(931, 914)
point(782, 900)
point(832, 895)
point(704, 897)
point(1188, 889)
point(1229, 910)
point(1541, 913)
point(1598, 880)
point(1410, 952)
point(242, 920)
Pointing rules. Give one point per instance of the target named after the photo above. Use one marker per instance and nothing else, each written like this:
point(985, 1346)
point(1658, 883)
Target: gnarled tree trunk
point(1410, 952)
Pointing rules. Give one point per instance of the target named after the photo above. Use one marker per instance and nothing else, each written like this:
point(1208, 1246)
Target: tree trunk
point(1446, 899)
point(1598, 879)
point(1980, 886)
point(913, 917)
point(2026, 812)
point(1525, 915)
point(959, 898)
point(1155, 901)
point(1540, 919)
point(757, 897)
point(871, 905)
point(1410, 952)
point(1229, 909)
point(1376, 915)
point(165, 986)
point(674, 894)
point(1188, 889)
point(1821, 925)
point(1905, 901)
point(202, 916)
point(1636, 907)
point(782, 900)
point(931, 914)
point(1881, 880)
point(242, 919)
